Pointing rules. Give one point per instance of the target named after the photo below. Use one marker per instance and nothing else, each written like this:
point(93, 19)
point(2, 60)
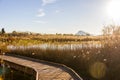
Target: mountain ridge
point(82, 33)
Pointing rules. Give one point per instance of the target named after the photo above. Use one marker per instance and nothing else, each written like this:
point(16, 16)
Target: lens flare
point(98, 70)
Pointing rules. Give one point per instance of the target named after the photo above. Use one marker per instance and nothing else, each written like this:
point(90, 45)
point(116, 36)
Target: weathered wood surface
point(43, 70)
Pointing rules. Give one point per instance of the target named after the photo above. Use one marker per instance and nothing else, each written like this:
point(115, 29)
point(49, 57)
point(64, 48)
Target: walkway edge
point(62, 66)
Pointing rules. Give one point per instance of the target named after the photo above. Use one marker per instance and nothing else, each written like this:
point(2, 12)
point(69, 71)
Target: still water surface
point(6, 73)
point(57, 46)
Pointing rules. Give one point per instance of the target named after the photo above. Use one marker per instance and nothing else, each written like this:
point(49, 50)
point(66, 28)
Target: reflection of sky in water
point(54, 46)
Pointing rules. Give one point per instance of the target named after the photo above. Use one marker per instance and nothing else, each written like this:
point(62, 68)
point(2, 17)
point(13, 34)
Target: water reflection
point(57, 46)
point(7, 73)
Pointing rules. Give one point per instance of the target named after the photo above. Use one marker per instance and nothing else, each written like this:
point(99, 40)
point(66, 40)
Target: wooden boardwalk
point(43, 70)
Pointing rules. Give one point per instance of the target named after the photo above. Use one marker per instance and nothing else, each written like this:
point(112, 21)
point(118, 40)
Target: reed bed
point(91, 63)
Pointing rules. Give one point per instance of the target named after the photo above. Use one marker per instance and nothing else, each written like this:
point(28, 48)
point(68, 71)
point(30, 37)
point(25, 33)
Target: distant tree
point(107, 30)
point(111, 30)
point(3, 31)
point(14, 33)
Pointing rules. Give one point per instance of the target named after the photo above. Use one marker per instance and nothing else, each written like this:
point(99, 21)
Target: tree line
point(106, 31)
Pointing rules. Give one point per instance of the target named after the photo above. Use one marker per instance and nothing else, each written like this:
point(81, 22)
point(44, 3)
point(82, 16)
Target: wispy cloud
point(59, 11)
point(39, 21)
point(41, 13)
point(45, 2)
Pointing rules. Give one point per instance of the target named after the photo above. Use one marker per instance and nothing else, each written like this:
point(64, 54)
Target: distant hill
point(82, 33)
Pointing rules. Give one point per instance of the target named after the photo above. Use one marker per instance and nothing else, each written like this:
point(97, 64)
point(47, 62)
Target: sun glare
point(113, 9)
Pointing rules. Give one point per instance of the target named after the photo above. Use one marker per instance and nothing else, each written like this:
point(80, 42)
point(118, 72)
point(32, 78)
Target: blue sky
point(54, 16)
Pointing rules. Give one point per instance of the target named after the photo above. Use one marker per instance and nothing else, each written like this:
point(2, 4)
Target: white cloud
point(45, 2)
point(41, 13)
point(41, 22)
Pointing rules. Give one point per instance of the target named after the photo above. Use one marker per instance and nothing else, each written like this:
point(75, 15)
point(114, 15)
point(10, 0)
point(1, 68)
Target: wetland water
point(7, 73)
point(57, 46)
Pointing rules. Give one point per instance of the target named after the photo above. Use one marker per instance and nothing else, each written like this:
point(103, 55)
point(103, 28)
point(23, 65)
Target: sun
point(113, 9)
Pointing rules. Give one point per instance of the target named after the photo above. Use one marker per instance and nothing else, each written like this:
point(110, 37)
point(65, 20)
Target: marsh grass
point(91, 63)
point(81, 59)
